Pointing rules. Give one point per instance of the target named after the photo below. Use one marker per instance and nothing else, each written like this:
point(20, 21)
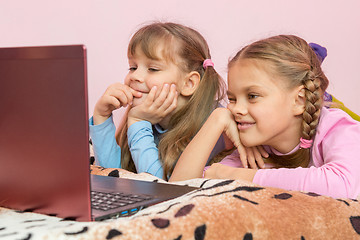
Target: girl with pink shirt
point(275, 91)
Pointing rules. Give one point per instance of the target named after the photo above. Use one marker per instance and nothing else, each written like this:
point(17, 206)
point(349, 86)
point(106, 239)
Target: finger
point(114, 103)
point(243, 155)
point(121, 88)
point(174, 102)
point(171, 100)
point(258, 157)
point(262, 151)
point(172, 107)
point(123, 98)
point(135, 93)
point(251, 158)
point(151, 96)
point(130, 93)
point(159, 101)
point(121, 92)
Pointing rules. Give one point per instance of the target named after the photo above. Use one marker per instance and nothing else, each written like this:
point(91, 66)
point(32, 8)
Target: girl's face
point(262, 107)
point(145, 73)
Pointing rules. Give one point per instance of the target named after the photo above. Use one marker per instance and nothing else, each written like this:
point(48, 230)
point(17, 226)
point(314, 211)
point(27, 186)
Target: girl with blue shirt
point(171, 88)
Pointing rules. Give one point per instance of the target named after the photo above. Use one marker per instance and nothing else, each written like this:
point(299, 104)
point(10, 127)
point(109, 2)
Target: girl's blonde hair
point(185, 47)
point(292, 59)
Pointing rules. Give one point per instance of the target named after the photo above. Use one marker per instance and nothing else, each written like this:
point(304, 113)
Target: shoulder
point(336, 122)
point(334, 117)
point(336, 141)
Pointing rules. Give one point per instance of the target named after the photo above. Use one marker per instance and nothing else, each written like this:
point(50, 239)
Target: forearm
point(106, 150)
point(98, 119)
point(193, 159)
point(143, 149)
point(333, 181)
point(246, 174)
point(221, 171)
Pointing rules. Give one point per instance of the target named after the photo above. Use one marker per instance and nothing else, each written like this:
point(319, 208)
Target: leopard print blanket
point(220, 209)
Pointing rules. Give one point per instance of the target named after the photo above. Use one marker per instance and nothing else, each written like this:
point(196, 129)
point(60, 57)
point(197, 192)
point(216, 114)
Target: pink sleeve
point(232, 160)
point(336, 165)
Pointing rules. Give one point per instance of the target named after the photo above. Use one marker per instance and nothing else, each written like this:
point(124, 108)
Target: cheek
point(150, 84)
point(266, 118)
point(154, 81)
point(127, 80)
point(161, 79)
point(260, 113)
point(160, 83)
point(230, 106)
point(138, 101)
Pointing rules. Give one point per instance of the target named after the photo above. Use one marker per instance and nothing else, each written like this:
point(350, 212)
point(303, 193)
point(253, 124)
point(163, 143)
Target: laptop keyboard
point(105, 201)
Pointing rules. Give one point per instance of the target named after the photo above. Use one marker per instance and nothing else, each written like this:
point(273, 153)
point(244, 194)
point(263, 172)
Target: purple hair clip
point(320, 51)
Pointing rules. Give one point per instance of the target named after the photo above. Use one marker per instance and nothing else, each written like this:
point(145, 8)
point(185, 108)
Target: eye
point(132, 69)
point(252, 96)
point(153, 69)
point(231, 100)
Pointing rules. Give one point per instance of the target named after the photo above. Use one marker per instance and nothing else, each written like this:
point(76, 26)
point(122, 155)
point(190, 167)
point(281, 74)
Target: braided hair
point(293, 59)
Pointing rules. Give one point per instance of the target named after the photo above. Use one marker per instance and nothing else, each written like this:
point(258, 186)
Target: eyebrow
point(229, 93)
point(249, 88)
point(160, 61)
point(256, 87)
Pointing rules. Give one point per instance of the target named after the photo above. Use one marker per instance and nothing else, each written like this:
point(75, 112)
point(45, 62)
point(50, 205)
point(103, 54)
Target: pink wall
point(106, 26)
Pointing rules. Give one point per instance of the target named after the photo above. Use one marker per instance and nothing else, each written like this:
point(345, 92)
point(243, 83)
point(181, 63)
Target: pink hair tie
point(304, 143)
point(207, 63)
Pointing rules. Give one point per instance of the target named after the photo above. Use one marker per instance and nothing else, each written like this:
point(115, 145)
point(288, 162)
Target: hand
point(220, 171)
point(116, 95)
point(249, 156)
point(255, 156)
point(154, 109)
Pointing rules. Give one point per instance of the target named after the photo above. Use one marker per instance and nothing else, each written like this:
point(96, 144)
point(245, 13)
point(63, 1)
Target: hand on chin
point(140, 100)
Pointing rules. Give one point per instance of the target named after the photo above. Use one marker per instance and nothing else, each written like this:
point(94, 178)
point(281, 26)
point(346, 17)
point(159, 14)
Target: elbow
point(349, 185)
point(352, 189)
point(344, 187)
point(175, 178)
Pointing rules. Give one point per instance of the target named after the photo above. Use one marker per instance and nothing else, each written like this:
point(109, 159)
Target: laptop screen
point(44, 149)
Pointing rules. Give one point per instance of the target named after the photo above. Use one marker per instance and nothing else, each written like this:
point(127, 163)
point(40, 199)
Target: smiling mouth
point(136, 88)
point(139, 90)
point(245, 125)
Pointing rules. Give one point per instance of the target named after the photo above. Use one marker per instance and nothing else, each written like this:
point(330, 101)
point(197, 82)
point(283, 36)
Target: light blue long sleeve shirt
point(107, 152)
point(143, 139)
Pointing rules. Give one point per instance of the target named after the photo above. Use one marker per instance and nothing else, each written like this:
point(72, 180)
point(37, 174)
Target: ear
point(299, 100)
point(191, 82)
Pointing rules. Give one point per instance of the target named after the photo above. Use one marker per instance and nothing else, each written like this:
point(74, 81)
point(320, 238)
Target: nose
point(240, 108)
point(137, 75)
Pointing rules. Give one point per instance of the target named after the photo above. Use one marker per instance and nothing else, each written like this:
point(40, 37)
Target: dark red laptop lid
point(44, 149)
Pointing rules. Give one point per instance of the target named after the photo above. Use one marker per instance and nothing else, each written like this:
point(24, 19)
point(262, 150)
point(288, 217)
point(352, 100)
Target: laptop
point(44, 141)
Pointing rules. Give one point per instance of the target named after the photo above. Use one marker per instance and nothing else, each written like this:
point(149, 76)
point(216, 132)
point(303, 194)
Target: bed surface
point(220, 209)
